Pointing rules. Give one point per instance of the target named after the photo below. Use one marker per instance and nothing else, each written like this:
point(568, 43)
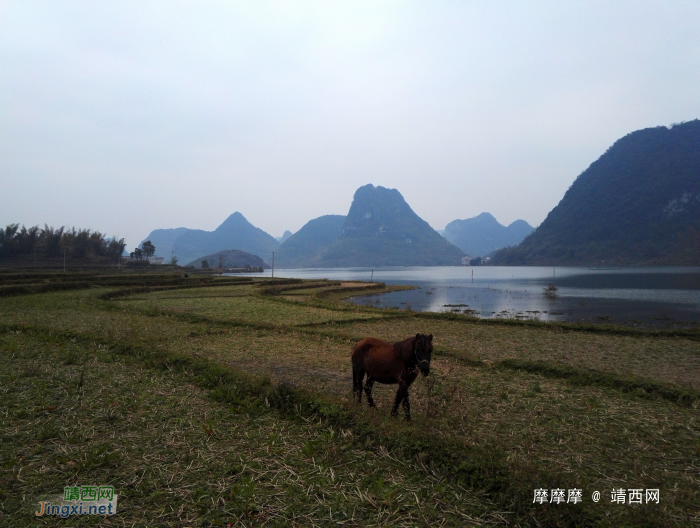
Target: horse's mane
point(403, 349)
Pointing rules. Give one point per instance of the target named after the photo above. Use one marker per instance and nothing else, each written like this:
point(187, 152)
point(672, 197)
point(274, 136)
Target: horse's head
point(423, 349)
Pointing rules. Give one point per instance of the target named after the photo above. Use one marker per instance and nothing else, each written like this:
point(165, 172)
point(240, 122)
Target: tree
point(115, 248)
point(137, 254)
point(8, 240)
point(52, 243)
point(52, 240)
point(205, 264)
point(173, 260)
point(148, 249)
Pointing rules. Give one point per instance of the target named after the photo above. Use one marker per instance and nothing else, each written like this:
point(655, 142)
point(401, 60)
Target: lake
point(648, 296)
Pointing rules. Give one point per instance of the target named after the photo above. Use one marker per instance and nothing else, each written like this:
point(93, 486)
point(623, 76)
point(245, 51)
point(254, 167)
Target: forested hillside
point(230, 258)
point(639, 203)
point(381, 229)
point(304, 248)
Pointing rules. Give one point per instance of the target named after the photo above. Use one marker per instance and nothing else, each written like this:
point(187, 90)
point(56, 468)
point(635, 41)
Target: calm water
point(649, 296)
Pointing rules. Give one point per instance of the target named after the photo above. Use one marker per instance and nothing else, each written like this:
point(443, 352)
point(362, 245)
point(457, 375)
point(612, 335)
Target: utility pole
point(273, 264)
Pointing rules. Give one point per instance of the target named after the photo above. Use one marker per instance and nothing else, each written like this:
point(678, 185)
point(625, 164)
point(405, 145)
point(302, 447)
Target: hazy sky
point(130, 116)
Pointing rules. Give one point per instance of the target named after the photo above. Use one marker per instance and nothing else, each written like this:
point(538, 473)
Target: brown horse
point(386, 363)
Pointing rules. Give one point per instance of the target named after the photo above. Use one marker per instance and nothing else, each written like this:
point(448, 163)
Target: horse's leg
point(357, 383)
point(354, 383)
point(397, 401)
point(368, 390)
point(407, 405)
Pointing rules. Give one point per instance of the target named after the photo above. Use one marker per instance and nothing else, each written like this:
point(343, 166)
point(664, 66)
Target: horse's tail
point(354, 370)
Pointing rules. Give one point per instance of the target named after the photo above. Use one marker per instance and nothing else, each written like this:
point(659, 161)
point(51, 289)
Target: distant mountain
point(483, 234)
point(303, 248)
point(382, 230)
point(639, 203)
point(231, 258)
point(163, 240)
point(235, 233)
point(284, 237)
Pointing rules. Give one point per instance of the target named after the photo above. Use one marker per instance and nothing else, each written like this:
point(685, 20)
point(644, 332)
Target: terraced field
point(234, 402)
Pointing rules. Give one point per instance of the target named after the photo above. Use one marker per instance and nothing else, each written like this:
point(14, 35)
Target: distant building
point(155, 260)
point(466, 260)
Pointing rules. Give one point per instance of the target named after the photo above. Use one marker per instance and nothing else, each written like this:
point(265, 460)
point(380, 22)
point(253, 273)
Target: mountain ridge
point(163, 240)
point(303, 248)
point(381, 229)
point(233, 233)
point(230, 258)
point(483, 234)
point(638, 203)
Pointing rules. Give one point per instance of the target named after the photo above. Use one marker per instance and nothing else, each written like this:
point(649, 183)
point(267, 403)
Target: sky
point(129, 116)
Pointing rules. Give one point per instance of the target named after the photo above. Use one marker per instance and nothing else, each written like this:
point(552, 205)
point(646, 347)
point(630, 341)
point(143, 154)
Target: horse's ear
point(430, 337)
point(417, 336)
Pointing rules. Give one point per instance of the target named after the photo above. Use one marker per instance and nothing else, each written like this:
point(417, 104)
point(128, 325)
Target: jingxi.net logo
point(80, 500)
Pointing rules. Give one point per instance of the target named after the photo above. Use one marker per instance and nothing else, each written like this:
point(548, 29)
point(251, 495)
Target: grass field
point(231, 404)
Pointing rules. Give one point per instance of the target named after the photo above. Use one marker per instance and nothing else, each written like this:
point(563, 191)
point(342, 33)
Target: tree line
point(34, 242)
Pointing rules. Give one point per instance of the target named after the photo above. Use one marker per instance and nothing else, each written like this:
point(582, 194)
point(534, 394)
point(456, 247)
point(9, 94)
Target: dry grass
point(669, 360)
point(82, 415)
point(248, 308)
point(548, 432)
point(592, 437)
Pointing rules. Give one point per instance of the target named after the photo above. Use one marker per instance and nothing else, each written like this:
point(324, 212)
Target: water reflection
point(658, 296)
